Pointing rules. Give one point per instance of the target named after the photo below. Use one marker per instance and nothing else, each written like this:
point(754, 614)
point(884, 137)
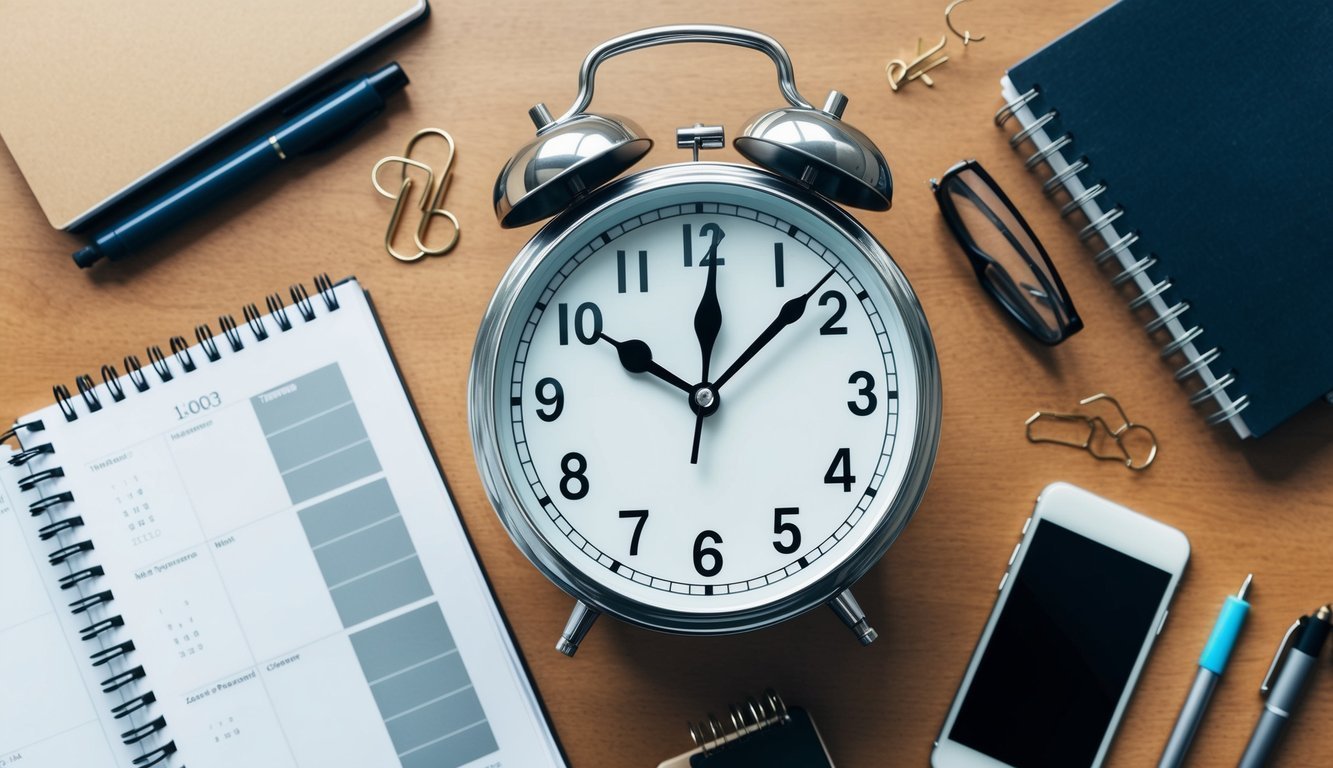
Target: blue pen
point(1212, 663)
point(327, 121)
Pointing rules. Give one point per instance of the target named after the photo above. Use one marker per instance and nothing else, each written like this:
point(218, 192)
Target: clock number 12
point(709, 230)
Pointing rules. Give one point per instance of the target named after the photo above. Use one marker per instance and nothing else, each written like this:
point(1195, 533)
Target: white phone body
point(1008, 721)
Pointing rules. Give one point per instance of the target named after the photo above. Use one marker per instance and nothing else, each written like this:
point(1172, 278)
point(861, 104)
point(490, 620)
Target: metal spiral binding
point(745, 718)
point(72, 554)
point(1166, 316)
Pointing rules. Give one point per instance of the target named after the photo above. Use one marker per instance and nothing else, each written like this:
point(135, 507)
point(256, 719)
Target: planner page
point(288, 561)
point(47, 716)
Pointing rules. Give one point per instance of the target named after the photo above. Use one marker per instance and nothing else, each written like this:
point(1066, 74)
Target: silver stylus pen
point(1212, 662)
point(1307, 637)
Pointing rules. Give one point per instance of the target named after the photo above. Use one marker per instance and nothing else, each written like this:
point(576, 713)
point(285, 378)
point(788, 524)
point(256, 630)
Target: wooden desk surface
point(476, 67)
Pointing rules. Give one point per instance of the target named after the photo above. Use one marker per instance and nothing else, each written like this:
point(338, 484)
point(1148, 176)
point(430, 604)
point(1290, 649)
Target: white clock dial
point(807, 431)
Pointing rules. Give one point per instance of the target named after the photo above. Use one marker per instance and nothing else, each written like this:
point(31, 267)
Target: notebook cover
point(794, 744)
point(1210, 127)
point(97, 97)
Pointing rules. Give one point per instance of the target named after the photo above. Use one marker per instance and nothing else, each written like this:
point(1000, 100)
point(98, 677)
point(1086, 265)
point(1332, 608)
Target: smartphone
point(1084, 595)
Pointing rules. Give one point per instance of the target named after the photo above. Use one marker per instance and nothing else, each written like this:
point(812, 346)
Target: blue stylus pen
point(330, 119)
point(1212, 663)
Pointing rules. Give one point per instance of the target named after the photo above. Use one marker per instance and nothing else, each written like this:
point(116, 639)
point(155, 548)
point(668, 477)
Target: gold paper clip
point(1092, 433)
point(899, 71)
point(432, 196)
point(966, 35)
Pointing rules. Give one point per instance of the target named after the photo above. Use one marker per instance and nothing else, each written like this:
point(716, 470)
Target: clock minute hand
point(790, 313)
point(637, 357)
point(707, 325)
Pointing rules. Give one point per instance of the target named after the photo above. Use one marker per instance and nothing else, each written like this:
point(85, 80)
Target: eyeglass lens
point(1019, 275)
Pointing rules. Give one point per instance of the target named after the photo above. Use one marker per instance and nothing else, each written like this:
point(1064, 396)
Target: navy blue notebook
point(1196, 140)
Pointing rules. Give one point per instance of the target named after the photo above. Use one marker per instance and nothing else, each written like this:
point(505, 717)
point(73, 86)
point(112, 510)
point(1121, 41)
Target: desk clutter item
point(1212, 663)
point(431, 198)
point(1217, 226)
point(1285, 684)
point(1009, 261)
point(759, 732)
point(620, 487)
point(320, 125)
point(244, 553)
point(899, 71)
point(1094, 434)
point(100, 98)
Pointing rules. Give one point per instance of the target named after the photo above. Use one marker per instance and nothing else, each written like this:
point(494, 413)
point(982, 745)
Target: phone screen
point(1061, 652)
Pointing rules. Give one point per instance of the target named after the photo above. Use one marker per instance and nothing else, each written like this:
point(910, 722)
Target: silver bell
point(817, 150)
point(567, 160)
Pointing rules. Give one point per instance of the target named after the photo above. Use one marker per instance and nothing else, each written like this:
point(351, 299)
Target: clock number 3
point(574, 465)
point(867, 390)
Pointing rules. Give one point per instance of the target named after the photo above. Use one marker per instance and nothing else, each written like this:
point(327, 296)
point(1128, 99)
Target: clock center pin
point(705, 400)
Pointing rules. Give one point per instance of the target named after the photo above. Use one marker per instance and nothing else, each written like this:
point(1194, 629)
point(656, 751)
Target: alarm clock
point(703, 399)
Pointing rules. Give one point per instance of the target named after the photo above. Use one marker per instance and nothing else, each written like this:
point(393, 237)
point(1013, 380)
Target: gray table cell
point(459, 749)
point(331, 472)
point(348, 512)
point(301, 398)
point(309, 440)
point(439, 718)
point(402, 641)
point(360, 553)
point(419, 685)
point(381, 592)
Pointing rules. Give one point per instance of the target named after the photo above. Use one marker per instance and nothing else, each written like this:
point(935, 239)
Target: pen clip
point(1279, 659)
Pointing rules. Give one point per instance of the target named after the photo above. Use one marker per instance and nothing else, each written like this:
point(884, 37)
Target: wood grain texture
point(476, 66)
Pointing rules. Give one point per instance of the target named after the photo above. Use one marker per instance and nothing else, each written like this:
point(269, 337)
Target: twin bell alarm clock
point(703, 399)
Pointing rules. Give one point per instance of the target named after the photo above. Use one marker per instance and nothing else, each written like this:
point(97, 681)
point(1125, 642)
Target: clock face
point(706, 398)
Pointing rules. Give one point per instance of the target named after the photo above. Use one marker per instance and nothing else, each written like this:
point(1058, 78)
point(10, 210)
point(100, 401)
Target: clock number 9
point(585, 309)
point(867, 391)
point(556, 399)
point(574, 465)
point(700, 552)
point(780, 528)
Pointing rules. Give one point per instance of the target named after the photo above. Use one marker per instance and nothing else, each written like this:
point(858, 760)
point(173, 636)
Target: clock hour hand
point(790, 313)
point(637, 357)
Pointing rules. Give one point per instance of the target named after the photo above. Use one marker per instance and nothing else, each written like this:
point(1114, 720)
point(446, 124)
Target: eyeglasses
point(1009, 261)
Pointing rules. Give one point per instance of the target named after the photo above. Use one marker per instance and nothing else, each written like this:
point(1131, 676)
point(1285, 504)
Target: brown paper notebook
point(99, 97)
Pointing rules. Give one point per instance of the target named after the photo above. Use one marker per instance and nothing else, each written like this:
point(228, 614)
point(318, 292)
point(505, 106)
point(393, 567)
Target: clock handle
point(687, 33)
point(845, 605)
point(580, 621)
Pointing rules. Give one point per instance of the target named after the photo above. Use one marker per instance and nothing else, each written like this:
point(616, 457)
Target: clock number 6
point(700, 552)
point(642, 515)
point(574, 465)
point(780, 528)
point(585, 309)
point(842, 462)
point(867, 391)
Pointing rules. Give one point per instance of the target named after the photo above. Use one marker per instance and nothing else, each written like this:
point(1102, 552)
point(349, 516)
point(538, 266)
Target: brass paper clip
point(966, 35)
point(432, 196)
point(1092, 433)
point(899, 71)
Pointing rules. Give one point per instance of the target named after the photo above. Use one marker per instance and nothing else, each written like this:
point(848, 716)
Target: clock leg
point(850, 612)
point(580, 621)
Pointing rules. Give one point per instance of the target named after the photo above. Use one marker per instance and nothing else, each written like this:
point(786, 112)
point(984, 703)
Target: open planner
point(244, 554)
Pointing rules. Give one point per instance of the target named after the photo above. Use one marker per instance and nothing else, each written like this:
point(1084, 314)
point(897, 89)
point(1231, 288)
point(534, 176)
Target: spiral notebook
point(1194, 141)
point(243, 553)
point(757, 732)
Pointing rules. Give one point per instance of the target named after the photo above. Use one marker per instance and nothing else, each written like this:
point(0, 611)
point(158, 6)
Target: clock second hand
point(791, 312)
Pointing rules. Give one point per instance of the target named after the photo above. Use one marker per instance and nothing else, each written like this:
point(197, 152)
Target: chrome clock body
point(501, 395)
